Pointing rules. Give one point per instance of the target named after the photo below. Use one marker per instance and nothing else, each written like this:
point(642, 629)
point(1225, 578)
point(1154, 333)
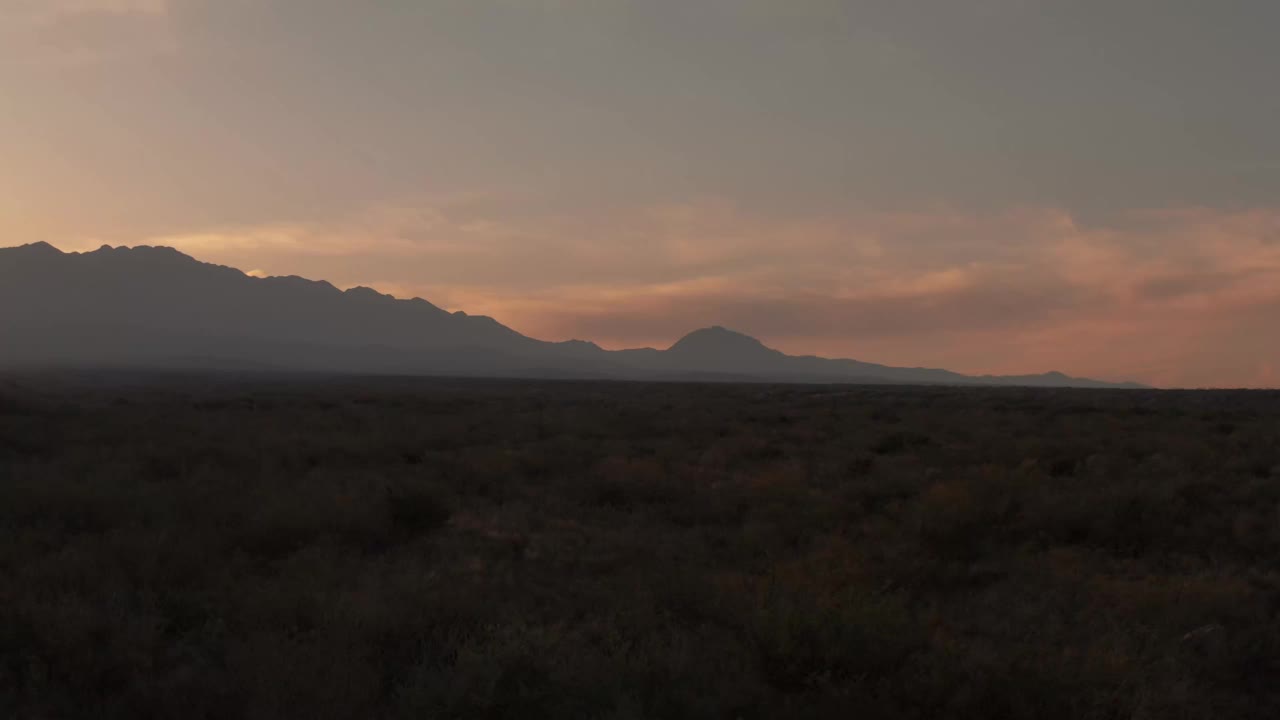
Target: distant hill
point(155, 307)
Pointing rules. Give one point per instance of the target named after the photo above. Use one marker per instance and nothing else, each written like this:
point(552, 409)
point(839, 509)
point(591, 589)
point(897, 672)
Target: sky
point(990, 186)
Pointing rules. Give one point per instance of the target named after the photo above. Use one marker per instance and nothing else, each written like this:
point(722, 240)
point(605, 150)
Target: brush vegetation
point(210, 547)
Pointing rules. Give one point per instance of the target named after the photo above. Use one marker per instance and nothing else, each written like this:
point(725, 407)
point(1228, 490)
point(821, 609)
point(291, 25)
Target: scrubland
point(219, 547)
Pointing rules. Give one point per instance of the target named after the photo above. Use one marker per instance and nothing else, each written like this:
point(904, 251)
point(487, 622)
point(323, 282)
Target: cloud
point(1182, 296)
point(58, 9)
point(74, 33)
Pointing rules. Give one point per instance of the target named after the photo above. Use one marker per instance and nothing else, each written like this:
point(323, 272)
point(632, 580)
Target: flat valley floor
point(208, 546)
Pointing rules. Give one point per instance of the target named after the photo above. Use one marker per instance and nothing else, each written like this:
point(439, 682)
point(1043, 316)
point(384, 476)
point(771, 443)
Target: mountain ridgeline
point(154, 307)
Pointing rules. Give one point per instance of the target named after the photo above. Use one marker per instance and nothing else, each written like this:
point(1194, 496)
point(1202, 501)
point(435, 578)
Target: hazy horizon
point(1005, 187)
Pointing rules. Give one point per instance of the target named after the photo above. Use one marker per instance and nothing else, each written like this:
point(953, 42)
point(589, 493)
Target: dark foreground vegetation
point(205, 547)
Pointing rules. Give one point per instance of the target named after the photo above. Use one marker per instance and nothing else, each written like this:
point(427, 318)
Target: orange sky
point(990, 187)
point(1186, 297)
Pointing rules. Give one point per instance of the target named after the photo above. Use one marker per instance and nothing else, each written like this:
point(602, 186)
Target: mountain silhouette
point(154, 307)
point(717, 349)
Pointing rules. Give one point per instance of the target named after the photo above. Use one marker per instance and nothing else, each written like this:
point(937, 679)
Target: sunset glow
point(844, 179)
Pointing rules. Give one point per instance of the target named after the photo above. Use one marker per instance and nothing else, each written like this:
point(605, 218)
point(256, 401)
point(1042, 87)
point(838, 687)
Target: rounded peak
point(363, 291)
point(160, 252)
point(155, 250)
point(298, 282)
point(717, 336)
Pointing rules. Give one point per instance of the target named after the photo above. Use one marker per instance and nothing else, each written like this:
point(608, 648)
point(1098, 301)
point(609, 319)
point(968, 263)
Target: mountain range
point(154, 307)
